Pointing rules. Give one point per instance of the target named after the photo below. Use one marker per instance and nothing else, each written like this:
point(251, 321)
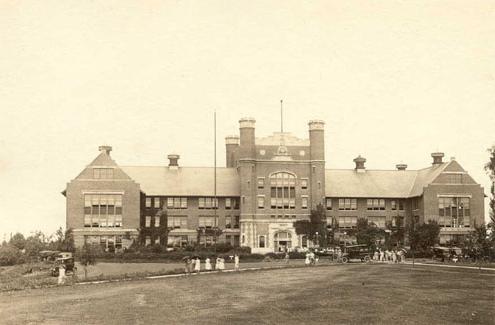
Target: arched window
point(283, 190)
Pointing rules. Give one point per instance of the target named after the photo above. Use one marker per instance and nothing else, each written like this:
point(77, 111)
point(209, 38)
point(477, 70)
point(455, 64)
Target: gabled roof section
point(382, 183)
point(369, 184)
point(185, 181)
point(425, 177)
point(103, 160)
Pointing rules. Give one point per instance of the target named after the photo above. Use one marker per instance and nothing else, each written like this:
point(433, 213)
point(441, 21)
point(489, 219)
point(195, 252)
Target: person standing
point(197, 265)
point(217, 263)
point(207, 264)
point(376, 256)
point(287, 257)
point(307, 261)
point(61, 274)
point(382, 256)
point(221, 264)
point(394, 257)
point(236, 262)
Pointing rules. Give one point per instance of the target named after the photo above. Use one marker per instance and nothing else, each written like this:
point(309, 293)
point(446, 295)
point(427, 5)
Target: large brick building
point(267, 184)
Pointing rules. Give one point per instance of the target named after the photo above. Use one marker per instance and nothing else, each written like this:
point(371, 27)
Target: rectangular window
point(87, 220)
point(376, 204)
point(177, 203)
point(148, 202)
point(235, 203)
point(347, 222)
point(207, 222)
point(103, 173)
point(377, 221)
point(236, 222)
point(304, 183)
point(393, 205)
point(157, 221)
point(157, 202)
point(228, 239)
point(207, 203)
point(102, 210)
point(347, 204)
point(228, 222)
point(228, 203)
point(177, 222)
point(147, 221)
point(148, 241)
point(261, 182)
point(261, 202)
point(329, 203)
point(261, 243)
point(304, 202)
point(157, 240)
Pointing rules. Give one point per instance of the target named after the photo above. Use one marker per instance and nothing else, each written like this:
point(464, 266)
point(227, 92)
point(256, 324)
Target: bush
point(10, 255)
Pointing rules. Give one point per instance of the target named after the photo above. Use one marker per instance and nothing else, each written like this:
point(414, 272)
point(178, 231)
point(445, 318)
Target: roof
point(379, 183)
point(184, 181)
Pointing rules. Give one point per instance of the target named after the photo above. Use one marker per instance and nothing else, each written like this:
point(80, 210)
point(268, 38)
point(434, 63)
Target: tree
point(396, 235)
point(88, 255)
point(315, 228)
point(162, 214)
point(18, 241)
point(490, 169)
point(367, 233)
point(10, 255)
point(35, 243)
point(422, 237)
point(67, 243)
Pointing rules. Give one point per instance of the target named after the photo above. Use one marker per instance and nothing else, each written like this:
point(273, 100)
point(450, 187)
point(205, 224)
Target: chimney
point(401, 166)
point(360, 164)
point(173, 161)
point(437, 158)
point(231, 150)
point(106, 149)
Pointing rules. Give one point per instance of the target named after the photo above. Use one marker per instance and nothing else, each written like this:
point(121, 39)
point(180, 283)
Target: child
point(207, 264)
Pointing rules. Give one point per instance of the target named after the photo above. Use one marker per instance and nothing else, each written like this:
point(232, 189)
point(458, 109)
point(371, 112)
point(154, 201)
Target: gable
point(453, 173)
point(99, 166)
point(453, 166)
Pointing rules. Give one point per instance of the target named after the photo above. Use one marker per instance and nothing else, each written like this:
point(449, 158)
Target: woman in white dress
point(197, 265)
point(207, 264)
point(394, 257)
point(236, 262)
point(221, 265)
point(307, 260)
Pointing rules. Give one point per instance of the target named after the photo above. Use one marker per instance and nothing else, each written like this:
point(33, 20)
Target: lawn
point(342, 294)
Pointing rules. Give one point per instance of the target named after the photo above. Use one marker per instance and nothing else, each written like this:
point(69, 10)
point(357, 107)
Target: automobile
point(356, 252)
point(67, 260)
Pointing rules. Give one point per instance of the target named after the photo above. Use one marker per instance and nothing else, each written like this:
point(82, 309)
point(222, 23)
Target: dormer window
point(103, 173)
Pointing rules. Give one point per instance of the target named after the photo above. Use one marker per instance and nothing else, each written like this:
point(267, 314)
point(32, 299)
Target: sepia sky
point(394, 81)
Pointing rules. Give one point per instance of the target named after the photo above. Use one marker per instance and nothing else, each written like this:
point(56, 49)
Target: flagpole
point(215, 169)
point(281, 116)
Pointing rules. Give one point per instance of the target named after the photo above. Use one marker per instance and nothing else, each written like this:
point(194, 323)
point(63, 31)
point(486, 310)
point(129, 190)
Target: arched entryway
point(282, 241)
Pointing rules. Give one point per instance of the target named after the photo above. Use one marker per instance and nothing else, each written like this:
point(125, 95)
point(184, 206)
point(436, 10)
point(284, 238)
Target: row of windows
point(107, 243)
point(280, 179)
point(182, 241)
point(180, 222)
point(181, 203)
point(372, 204)
point(454, 222)
point(379, 221)
point(103, 173)
point(103, 210)
point(454, 206)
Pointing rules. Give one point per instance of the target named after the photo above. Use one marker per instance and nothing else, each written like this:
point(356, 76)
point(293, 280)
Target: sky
point(393, 80)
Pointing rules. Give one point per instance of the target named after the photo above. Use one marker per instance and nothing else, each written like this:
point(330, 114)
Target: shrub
point(10, 255)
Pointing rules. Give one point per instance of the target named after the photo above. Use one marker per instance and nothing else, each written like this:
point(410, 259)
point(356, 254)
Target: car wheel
point(345, 260)
point(367, 259)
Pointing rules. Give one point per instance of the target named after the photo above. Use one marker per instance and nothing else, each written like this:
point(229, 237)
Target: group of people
point(311, 258)
point(193, 264)
point(390, 256)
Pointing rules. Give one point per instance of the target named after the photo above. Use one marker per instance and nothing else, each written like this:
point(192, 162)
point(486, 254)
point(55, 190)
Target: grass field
point(340, 294)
